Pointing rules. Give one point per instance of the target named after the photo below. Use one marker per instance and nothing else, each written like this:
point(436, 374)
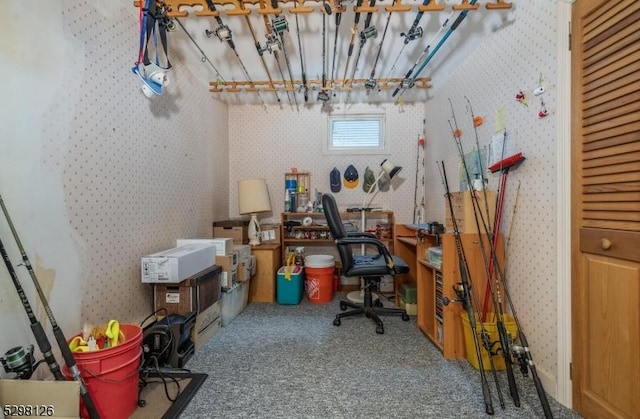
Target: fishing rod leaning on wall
point(38, 330)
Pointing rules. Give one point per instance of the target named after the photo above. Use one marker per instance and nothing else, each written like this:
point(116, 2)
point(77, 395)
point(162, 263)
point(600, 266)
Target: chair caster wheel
point(343, 306)
point(405, 317)
point(336, 322)
point(380, 330)
point(378, 303)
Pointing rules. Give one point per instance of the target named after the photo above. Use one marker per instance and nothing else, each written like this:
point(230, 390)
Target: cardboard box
point(245, 268)
point(228, 279)
point(177, 264)
point(63, 397)
point(196, 293)
point(243, 251)
point(235, 229)
point(224, 246)
point(208, 323)
point(270, 233)
point(228, 263)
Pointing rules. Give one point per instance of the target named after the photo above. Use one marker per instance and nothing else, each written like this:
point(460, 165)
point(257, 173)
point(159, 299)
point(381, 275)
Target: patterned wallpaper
point(514, 59)
point(268, 144)
point(94, 174)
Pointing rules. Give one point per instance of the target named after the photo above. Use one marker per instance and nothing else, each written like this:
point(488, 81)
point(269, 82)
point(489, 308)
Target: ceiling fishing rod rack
point(312, 84)
point(272, 10)
point(239, 7)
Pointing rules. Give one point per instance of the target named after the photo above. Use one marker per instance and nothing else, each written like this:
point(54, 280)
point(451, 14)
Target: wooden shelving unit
point(442, 323)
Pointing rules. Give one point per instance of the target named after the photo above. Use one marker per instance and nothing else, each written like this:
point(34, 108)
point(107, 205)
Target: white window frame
point(383, 144)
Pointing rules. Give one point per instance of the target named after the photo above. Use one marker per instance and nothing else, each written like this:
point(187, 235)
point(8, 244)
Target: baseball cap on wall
point(350, 177)
point(334, 180)
point(369, 179)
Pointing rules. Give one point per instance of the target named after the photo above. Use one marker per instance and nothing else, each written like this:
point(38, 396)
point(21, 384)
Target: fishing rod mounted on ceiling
point(274, 13)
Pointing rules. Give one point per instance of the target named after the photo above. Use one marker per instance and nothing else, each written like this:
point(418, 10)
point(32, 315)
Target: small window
point(356, 134)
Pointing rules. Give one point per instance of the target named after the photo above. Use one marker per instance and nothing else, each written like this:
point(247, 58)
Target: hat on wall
point(334, 180)
point(384, 182)
point(369, 180)
point(350, 177)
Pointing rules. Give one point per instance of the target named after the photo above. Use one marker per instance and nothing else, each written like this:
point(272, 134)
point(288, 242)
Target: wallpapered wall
point(269, 143)
point(514, 59)
point(94, 174)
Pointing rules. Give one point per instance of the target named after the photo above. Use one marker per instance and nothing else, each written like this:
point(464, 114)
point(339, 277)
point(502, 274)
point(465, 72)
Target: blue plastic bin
point(290, 291)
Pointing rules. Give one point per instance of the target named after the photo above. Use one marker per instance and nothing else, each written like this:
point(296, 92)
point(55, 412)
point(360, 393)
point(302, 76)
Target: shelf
point(380, 223)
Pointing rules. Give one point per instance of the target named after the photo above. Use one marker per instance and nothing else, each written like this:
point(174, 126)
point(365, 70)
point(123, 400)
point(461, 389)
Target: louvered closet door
point(606, 208)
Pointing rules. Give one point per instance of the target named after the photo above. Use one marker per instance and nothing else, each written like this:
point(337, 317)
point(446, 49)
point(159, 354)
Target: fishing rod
point(279, 24)
point(463, 291)
point(418, 218)
point(504, 341)
point(409, 83)
point(224, 34)
point(323, 96)
point(339, 10)
point(262, 60)
point(354, 31)
point(204, 56)
point(367, 33)
point(522, 352)
point(370, 83)
point(414, 32)
point(36, 327)
point(406, 81)
point(304, 73)
point(480, 169)
point(273, 45)
point(57, 331)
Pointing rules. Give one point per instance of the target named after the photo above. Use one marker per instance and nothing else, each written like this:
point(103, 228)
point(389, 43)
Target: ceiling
point(251, 78)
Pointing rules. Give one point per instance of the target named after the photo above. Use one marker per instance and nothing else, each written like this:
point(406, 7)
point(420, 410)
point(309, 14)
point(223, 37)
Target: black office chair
point(370, 267)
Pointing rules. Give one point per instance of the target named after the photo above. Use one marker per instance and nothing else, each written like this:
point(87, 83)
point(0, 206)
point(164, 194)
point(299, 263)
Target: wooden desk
point(262, 288)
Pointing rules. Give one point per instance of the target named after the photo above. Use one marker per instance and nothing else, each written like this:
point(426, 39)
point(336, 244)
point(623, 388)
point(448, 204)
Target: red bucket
point(111, 375)
point(319, 273)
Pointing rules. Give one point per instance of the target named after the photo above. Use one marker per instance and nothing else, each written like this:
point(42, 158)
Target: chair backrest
point(334, 221)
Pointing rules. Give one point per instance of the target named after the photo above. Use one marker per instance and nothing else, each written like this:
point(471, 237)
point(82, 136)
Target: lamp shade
point(390, 168)
point(253, 196)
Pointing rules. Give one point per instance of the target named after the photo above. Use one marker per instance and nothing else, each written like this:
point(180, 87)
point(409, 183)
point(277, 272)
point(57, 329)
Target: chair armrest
point(361, 234)
point(382, 249)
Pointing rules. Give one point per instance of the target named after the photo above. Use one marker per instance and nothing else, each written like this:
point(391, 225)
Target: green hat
point(369, 180)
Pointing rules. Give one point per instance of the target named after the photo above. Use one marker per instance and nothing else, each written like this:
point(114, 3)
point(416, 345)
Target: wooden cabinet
point(262, 288)
point(442, 323)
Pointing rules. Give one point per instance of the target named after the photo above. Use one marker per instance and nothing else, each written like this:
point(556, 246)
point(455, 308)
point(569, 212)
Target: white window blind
point(356, 133)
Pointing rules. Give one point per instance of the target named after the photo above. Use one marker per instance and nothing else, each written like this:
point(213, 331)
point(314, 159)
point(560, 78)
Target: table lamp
point(253, 197)
point(389, 168)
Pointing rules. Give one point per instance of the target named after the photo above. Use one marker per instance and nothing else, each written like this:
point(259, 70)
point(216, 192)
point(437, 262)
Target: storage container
point(290, 288)
point(434, 256)
point(234, 301)
point(490, 326)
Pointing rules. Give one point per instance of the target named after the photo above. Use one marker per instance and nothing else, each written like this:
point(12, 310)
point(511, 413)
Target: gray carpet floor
point(278, 361)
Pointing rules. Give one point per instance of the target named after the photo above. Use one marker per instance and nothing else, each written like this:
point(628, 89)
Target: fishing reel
point(19, 361)
point(462, 294)
point(368, 33)
point(323, 96)
point(520, 354)
point(272, 45)
point(412, 35)
point(407, 83)
point(279, 24)
point(370, 84)
point(223, 32)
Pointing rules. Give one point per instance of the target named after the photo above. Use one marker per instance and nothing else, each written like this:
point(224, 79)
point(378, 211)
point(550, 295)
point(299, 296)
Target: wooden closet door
point(606, 208)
